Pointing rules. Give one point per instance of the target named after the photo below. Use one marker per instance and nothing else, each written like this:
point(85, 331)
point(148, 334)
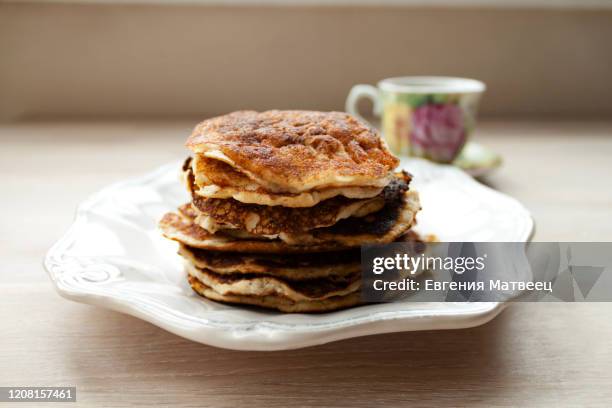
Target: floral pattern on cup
point(433, 126)
point(430, 117)
point(438, 132)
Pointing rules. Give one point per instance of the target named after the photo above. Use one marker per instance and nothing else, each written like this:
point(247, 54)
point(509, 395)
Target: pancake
point(216, 179)
point(383, 226)
point(392, 221)
point(210, 171)
point(216, 214)
point(306, 199)
point(182, 228)
point(280, 303)
point(296, 151)
point(289, 266)
point(260, 220)
point(221, 214)
point(265, 285)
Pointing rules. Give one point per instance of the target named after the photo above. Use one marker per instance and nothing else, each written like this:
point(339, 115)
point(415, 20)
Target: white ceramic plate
point(115, 257)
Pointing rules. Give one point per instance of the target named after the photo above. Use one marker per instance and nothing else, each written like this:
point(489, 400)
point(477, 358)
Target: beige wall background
point(157, 60)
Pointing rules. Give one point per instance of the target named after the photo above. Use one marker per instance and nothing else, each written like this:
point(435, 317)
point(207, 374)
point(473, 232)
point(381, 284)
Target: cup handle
point(359, 91)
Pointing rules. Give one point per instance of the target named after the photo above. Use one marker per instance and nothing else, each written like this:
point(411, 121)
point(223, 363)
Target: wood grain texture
point(531, 355)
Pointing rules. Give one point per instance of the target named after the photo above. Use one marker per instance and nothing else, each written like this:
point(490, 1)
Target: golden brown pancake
point(289, 266)
point(383, 226)
point(265, 285)
point(217, 179)
point(211, 171)
point(278, 302)
point(296, 151)
point(217, 214)
point(182, 228)
point(222, 214)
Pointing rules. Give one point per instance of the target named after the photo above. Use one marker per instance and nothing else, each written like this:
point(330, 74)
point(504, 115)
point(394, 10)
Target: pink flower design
point(437, 132)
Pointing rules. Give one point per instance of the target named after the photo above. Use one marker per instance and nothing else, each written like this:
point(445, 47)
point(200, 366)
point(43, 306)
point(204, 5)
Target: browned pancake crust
point(275, 220)
point(221, 174)
point(182, 229)
point(383, 226)
point(278, 302)
point(378, 223)
point(289, 266)
point(312, 288)
point(217, 179)
point(287, 148)
point(232, 214)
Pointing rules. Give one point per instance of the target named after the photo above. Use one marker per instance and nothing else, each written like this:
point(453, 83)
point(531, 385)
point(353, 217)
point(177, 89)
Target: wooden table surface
point(531, 355)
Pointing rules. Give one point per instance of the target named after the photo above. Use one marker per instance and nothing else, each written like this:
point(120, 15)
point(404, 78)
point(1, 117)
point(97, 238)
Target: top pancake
point(296, 151)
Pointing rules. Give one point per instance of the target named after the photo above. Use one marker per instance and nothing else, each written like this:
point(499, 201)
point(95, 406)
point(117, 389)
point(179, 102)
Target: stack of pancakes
point(281, 202)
